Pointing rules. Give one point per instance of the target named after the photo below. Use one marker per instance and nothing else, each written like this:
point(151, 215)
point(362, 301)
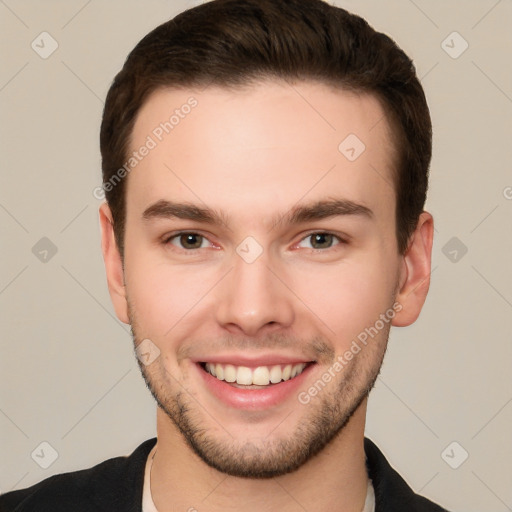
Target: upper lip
point(254, 361)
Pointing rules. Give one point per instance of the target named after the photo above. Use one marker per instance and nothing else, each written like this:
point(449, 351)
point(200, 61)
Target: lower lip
point(253, 399)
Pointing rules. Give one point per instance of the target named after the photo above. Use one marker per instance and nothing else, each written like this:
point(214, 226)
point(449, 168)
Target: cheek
point(346, 298)
point(163, 296)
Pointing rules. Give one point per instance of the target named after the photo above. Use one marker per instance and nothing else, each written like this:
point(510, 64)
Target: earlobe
point(113, 264)
point(414, 278)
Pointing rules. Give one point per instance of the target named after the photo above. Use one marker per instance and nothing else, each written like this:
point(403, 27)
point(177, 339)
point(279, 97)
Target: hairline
point(393, 128)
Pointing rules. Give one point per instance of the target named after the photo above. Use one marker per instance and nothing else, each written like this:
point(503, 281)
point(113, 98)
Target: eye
point(188, 241)
point(320, 240)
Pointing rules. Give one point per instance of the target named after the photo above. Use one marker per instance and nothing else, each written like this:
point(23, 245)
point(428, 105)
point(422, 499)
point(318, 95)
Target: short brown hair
point(236, 42)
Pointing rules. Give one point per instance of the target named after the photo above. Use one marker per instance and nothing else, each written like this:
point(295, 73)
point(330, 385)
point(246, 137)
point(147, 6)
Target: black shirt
point(116, 485)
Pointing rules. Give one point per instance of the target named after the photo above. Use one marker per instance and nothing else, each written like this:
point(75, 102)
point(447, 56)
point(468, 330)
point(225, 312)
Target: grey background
point(68, 374)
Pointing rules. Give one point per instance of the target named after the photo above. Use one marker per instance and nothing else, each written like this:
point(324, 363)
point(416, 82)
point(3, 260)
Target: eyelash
point(341, 240)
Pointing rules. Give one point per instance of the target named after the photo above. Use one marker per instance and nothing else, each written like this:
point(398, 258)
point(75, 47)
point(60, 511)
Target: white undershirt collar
point(149, 506)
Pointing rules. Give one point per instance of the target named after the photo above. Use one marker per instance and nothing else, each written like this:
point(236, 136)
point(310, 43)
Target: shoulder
point(391, 491)
point(115, 484)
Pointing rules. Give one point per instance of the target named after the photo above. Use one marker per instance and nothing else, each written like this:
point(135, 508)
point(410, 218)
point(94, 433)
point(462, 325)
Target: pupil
point(322, 239)
point(190, 240)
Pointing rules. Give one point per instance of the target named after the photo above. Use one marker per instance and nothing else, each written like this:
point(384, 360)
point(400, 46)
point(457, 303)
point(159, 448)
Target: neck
point(334, 479)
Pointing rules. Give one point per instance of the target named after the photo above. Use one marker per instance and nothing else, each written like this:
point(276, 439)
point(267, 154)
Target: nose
point(252, 299)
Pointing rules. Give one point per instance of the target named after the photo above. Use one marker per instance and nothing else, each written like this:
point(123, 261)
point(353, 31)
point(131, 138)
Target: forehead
point(268, 145)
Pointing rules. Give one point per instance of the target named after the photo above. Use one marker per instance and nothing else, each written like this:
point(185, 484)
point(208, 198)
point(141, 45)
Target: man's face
point(252, 291)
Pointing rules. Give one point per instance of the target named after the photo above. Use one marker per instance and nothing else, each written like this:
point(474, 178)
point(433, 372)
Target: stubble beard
point(328, 414)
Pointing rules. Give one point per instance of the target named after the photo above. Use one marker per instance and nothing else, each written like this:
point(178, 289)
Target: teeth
point(229, 373)
point(260, 376)
point(275, 374)
point(244, 376)
point(219, 371)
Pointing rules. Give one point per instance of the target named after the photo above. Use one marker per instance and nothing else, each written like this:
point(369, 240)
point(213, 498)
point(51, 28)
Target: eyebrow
point(164, 209)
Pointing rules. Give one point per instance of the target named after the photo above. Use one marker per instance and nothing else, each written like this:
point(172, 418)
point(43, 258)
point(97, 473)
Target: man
point(265, 165)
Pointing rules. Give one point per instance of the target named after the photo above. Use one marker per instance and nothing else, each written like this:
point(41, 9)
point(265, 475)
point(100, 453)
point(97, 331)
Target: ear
point(415, 272)
point(113, 264)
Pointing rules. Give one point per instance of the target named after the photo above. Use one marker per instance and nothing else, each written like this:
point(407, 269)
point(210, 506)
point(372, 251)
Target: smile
point(259, 376)
point(255, 384)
